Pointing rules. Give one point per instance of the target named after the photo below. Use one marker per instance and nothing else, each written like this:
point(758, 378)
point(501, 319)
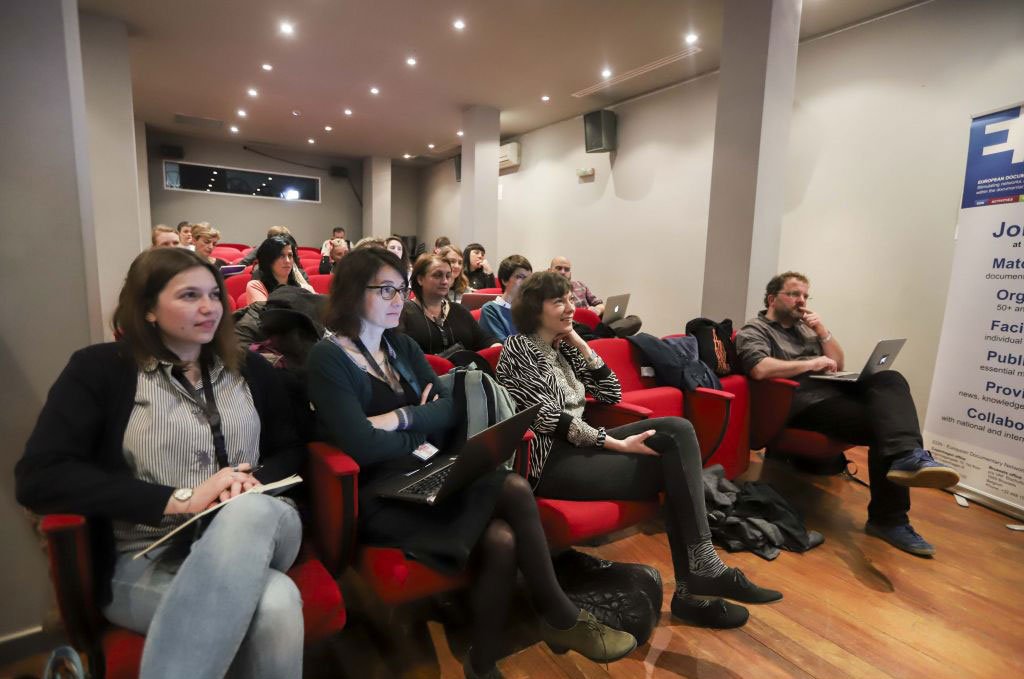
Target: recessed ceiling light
point(606, 73)
point(267, 67)
point(406, 156)
point(459, 133)
point(691, 38)
point(545, 98)
point(263, 184)
point(348, 111)
point(327, 128)
point(242, 113)
point(430, 146)
point(459, 24)
point(270, 179)
point(311, 140)
point(411, 61)
point(296, 113)
point(215, 172)
point(287, 28)
point(252, 92)
point(234, 129)
point(207, 189)
point(374, 90)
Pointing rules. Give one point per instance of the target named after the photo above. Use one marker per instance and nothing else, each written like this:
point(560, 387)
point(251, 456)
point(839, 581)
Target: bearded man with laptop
point(872, 408)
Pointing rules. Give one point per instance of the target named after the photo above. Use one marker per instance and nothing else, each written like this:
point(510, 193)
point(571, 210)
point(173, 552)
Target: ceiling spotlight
point(406, 156)
point(459, 24)
point(459, 133)
point(263, 184)
point(242, 113)
point(311, 140)
point(327, 128)
point(215, 172)
point(234, 129)
point(287, 28)
point(296, 113)
point(606, 73)
point(252, 92)
point(348, 111)
point(207, 189)
point(270, 179)
point(374, 90)
point(545, 98)
point(691, 38)
point(430, 146)
point(411, 61)
point(267, 67)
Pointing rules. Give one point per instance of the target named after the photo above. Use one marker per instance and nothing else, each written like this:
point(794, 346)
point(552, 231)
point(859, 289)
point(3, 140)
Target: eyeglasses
point(388, 292)
point(796, 294)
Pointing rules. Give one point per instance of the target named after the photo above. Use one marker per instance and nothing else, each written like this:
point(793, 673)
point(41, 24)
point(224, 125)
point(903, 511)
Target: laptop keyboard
point(429, 485)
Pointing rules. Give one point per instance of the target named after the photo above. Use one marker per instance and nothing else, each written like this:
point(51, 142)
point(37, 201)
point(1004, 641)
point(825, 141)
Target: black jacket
point(74, 460)
point(459, 326)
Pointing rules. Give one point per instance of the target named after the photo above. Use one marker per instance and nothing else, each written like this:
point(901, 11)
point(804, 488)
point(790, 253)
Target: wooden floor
point(853, 607)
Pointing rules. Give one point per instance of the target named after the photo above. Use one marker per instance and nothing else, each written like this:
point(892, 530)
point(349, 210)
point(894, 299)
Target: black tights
point(514, 539)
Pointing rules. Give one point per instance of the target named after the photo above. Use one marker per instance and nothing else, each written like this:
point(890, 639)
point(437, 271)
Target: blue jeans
point(226, 606)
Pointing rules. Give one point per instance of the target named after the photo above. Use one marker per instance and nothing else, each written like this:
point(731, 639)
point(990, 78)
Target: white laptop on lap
point(881, 359)
point(615, 308)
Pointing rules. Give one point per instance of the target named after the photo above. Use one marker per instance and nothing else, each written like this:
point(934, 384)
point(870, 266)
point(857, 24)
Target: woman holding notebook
point(140, 434)
point(377, 399)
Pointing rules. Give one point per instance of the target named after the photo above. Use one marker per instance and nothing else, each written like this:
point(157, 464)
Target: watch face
point(183, 494)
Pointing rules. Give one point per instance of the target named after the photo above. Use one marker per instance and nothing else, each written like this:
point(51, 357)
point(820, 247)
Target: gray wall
point(43, 171)
point(245, 219)
point(874, 174)
point(404, 200)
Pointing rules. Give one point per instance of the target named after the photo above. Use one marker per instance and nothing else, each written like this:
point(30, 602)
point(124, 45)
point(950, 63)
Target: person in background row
point(271, 232)
point(276, 267)
point(478, 270)
point(185, 235)
point(339, 248)
point(790, 340)
point(206, 238)
point(550, 364)
point(164, 236)
point(431, 319)
point(496, 315)
point(336, 233)
point(124, 438)
point(370, 242)
point(395, 246)
point(584, 298)
point(377, 399)
point(460, 284)
point(441, 243)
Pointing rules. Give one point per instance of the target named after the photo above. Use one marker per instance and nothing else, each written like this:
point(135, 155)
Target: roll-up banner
point(975, 420)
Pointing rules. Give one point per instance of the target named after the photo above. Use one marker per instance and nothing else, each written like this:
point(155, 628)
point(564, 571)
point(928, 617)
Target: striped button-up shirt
point(168, 440)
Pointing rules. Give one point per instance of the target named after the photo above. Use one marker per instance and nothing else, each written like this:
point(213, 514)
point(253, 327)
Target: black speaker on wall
point(458, 168)
point(599, 131)
point(172, 151)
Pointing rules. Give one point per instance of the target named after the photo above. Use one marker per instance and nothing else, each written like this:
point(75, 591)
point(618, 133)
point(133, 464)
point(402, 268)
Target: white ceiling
point(198, 57)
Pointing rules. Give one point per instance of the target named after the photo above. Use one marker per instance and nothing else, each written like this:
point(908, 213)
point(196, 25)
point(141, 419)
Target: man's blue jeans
point(228, 605)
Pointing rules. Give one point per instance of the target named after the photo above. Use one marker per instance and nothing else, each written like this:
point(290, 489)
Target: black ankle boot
point(731, 584)
point(717, 614)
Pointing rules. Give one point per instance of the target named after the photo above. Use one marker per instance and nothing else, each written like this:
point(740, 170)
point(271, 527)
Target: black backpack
point(714, 344)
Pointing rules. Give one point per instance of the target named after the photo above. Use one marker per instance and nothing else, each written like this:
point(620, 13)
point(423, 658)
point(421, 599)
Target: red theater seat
point(489, 291)
point(321, 283)
point(115, 653)
point(770, 401)
point(235, 285)
point(586, 317)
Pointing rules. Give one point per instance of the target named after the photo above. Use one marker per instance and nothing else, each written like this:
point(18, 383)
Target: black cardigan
point(461, 325)
point(74, 460)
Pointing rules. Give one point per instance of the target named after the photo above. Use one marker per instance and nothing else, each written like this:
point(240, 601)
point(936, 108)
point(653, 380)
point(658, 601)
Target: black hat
point(290, 307)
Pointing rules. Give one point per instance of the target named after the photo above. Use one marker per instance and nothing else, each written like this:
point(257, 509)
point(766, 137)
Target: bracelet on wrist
point(826, 338)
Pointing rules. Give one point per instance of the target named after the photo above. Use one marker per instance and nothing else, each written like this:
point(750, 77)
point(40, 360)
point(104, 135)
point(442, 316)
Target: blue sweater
point(496, 319)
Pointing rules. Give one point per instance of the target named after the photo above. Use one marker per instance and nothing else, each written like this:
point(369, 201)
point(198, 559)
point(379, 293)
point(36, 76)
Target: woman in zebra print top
point(551, 365)
point(129, 438)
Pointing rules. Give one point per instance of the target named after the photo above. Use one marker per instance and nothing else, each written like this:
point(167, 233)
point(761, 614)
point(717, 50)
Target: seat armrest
point(708, 410)
point(71, 571)
point(334, 489)
point(521, 462)
point(770, 401)
point(609, 415)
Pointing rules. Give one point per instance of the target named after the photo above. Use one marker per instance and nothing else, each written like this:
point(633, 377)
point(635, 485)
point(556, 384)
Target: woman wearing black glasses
point(377, 399)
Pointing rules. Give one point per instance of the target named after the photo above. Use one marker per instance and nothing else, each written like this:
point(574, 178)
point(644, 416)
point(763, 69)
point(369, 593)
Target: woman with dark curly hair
point(550, 364)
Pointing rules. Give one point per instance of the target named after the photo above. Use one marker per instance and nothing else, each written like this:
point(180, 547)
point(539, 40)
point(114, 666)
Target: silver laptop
point(881, 358)
point(615, 308)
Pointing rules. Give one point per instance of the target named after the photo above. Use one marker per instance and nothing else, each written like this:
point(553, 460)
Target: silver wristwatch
point(182, 494)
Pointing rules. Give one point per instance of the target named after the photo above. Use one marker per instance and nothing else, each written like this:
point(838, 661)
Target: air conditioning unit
point(508, 156)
